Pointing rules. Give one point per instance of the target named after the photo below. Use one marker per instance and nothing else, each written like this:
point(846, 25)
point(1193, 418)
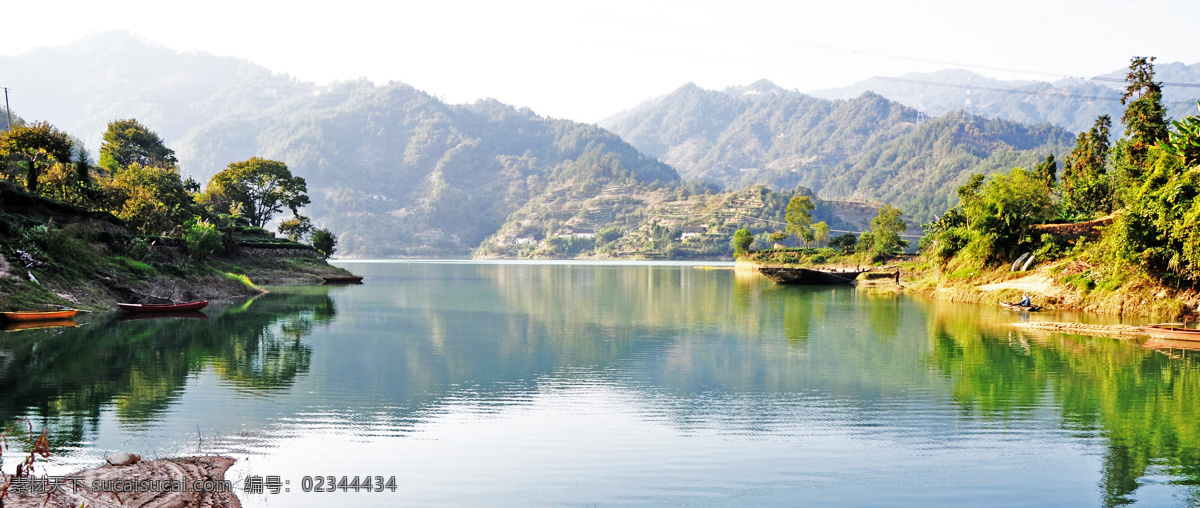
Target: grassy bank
point(92, 264)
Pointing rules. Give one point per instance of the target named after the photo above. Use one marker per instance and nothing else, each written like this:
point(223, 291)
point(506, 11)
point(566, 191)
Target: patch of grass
point(21, 294)
point(241, 278)
point(135, 267)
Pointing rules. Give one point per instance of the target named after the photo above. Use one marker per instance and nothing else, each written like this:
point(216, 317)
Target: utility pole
point(6, 110)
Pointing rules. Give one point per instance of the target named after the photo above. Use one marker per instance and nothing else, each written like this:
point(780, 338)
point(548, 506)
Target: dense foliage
point(1150, 179)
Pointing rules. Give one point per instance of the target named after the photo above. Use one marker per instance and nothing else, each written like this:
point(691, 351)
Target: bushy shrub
point(324, 241)
point(202, 238)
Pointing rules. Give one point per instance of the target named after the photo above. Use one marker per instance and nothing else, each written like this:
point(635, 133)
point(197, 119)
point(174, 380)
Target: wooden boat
point(1174, 331)
point(790, 275)
point(13, 326)
point(186, 314)
point(1017, 306)
point(351, 279)
point(158, 307)
point(35, 315)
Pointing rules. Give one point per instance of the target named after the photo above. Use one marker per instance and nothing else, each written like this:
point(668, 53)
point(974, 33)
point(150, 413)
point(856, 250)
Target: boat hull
point(353, 279)
point(1163, 332)
point(1013, 306)
point(805, 276)
point(148, 308)
point(39, 315)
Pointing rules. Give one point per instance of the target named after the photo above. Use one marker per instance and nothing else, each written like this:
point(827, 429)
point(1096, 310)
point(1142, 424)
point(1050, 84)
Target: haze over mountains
point(396, 171)
point(1072, 104)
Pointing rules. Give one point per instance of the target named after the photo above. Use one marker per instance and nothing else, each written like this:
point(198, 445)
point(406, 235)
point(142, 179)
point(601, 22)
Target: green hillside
point(867, 148)
point(395, 171)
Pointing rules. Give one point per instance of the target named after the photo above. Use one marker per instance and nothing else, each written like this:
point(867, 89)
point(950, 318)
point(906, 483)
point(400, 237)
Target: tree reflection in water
point(62, 378)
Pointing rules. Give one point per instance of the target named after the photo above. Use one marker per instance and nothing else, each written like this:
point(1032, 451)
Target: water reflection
point(1145, 403)
point(800, 393)
point(62, 378)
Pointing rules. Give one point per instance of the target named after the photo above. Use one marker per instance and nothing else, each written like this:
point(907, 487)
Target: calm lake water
point(545, 384)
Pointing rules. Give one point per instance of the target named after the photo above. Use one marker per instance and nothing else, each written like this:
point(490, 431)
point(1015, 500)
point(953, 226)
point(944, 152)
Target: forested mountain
point(111, 75)
point(395, 171)
point(866, 148)
point(1072, 104)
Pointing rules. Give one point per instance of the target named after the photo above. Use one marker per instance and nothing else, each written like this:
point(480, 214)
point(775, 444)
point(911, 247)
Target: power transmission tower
point(6, 108)
point(967, 106)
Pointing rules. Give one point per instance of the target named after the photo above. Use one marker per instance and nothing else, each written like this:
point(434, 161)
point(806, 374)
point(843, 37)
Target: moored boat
point(34, 315)
point(807, 276)
point(1017, 306)
point(161, 307)
point(351, 279)
point(1174, 331)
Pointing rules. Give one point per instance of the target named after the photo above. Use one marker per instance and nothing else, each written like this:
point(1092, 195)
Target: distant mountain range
point(395, 171)
point(1072, 104)
point(867, 148)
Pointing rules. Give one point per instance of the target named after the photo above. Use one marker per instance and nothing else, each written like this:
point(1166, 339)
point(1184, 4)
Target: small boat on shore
point(351, 279)
point(807, 276)
point(35, 315)
point(163, 307)
point(1173, 331)
point(1017, 306)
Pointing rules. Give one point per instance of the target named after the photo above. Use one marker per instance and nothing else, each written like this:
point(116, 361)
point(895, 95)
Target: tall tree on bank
point(32, 149)
point(257, 189)
point(127, 142)
point(799, 219)
point(1086, 184)
point(1145, 116)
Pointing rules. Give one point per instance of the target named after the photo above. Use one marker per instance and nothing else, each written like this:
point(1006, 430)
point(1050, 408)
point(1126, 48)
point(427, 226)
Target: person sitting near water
point(1025, 301)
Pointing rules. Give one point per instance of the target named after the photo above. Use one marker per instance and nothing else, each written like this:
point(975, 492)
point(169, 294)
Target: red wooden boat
point(157, 307)
point(39, 315)
point(352, 279)
point(1172, 331)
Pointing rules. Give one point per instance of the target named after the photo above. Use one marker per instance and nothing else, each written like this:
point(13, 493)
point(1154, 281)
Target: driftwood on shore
point(144, 484)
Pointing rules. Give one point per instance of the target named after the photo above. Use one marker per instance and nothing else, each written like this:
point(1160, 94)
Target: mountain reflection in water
point(638, 383)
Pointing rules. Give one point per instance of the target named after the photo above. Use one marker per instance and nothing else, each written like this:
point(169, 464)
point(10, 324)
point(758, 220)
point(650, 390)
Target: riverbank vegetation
point(130, 228)
point(1118, 231)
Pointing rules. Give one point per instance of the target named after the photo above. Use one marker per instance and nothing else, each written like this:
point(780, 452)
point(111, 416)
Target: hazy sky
point(588, 60)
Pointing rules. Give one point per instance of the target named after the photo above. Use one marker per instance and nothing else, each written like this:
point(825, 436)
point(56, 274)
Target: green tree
point(128, 142)
point(799, 219)
point(297, 228)
point(777, 237)
point(261, 187)
point(325, 242)
point(1087, 186)
point(32, 149)
point(149, 199)
point(1047, 169)
point(844, 242)
point(820, 232)
point(886, 228)
point(1184, 141)
point(741, 241)
point(1003, 216)
point(1145, 115)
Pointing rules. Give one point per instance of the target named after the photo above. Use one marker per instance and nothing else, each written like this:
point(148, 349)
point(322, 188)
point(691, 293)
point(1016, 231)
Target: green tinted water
point(515, 383)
